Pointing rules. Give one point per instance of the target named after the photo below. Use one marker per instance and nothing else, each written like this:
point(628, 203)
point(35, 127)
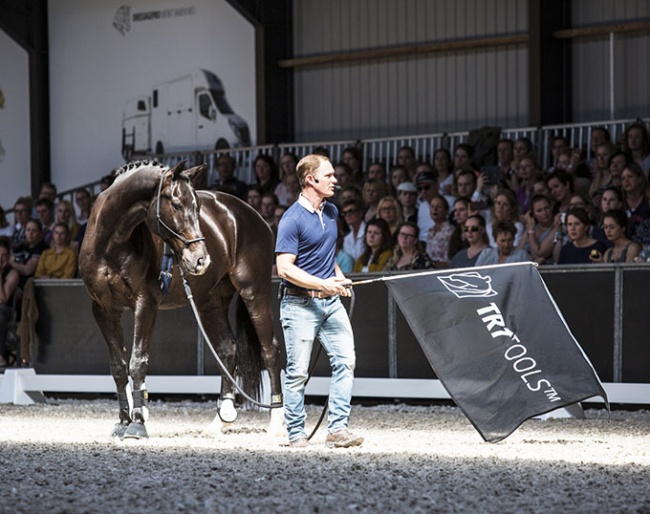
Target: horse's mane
point(132, 167)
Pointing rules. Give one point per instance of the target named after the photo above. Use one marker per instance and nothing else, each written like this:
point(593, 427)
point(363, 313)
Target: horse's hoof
point(119, 430)
point(277, 426)
point(227, 411)
point(136, 431)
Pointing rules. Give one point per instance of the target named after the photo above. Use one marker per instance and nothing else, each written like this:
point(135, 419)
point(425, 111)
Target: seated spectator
point(597, 137)
point(581, 249)
point(427, 186)
point(8, 286)
point(537, 241)
point(572, 161)
point(477, 240)
point(377, 171)
point(398, 176)
point(106, 181)
point(461, 211)
point(343, 174)
point(343, 259)
point(6, 228)
point(83, 200)
point(637, 145)
point(59, 261)
point(352, 212)
point(558, 144)
point(505, 251)
point(616, 164)
point(254, 198)
point(390, 211)
point(406, 159)
point(560, 185)
point(611, 199)
point(439, 234)
point(267, 208)
point(407, 254)
point(48, 190)
point(527, 176)
point(353, 158)
point(468, 185)
point(443, 167)
point(288, 190)
point(463, 157)
point(635, 187)
point(227, 182)
point(407, 195)
point(622, 249)
point(504, 208)
point(22, 213)
point(377, 247)
point(373, 191)
point(25, 257)
point(505, 156)
point(65, 214)
point(350, 192)
point(266, 173)
point(601, 177)
point(521, 148)
point(45, 213)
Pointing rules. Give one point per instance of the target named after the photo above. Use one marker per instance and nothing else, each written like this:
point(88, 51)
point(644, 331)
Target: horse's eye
point(177, 207)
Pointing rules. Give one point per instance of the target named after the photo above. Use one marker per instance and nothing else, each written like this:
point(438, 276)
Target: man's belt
point(307, 293)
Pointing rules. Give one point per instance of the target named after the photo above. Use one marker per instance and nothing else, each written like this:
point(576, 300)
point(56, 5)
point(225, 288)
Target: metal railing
point(385, 149)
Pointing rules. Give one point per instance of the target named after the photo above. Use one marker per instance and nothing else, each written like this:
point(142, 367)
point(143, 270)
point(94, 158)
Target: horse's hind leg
point(259, 308)
point(111, 328)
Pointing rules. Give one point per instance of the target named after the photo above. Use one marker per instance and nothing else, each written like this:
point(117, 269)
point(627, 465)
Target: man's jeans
point(303, 320)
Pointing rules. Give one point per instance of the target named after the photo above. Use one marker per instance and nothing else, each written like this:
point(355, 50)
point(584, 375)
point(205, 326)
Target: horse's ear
point(197, 176)
point(176, 170)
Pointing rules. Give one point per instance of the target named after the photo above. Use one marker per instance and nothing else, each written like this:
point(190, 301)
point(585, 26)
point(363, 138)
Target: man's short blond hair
point(307, 165)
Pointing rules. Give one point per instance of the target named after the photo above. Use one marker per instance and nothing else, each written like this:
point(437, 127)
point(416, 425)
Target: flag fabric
point(498, 343)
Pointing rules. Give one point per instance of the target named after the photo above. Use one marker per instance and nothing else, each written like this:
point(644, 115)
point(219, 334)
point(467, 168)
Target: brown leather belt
point(307, 293)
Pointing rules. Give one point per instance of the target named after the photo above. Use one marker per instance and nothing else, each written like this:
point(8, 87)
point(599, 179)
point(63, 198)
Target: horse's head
point(176, 217)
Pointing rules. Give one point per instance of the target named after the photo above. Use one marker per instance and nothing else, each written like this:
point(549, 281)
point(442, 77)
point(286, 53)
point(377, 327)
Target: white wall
point(95, 68)
point(15, 161)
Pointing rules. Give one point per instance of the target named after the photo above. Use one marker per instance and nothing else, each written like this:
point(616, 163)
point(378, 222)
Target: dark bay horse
point(224, 247)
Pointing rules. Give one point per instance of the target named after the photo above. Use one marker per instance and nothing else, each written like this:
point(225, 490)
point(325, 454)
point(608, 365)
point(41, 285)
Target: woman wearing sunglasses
point(475, 235)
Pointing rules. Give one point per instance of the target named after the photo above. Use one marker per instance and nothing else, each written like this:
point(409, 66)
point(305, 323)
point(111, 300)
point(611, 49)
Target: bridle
point(186, 242)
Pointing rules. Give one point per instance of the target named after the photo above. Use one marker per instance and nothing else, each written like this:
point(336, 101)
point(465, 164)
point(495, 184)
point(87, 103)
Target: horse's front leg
point(110, 326)
point(145, 320)
point(214, 317)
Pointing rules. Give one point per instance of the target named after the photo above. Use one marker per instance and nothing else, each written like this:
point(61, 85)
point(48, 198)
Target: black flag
point(498, 343)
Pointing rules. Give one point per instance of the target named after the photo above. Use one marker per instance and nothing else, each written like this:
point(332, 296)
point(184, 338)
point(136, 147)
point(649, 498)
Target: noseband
point(186, 242)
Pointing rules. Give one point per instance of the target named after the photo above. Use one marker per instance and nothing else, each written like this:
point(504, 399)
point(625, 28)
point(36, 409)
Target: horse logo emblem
point(469, 285)
point(122, 20)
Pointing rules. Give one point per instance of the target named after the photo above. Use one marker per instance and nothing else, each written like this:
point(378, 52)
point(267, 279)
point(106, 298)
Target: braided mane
point(132, 167)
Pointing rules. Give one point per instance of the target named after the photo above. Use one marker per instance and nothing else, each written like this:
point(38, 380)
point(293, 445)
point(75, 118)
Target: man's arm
point(288, 270)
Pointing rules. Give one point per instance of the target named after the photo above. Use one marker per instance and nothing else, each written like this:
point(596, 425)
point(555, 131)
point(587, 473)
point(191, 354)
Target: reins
point(186, 242)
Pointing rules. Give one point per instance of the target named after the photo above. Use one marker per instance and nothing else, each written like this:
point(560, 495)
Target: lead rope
point(226, 373)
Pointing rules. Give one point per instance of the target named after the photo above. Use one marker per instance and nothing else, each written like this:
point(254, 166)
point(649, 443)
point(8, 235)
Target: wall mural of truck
point(187, 113)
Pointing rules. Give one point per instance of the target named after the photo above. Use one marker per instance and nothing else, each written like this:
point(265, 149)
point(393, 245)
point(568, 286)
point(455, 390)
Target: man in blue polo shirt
point(312, 284)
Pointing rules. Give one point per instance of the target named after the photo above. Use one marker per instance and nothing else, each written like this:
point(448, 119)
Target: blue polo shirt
point(312, 239)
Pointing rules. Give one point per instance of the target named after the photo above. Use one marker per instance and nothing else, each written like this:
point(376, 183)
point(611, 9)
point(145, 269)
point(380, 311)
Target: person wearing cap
point(426, 182)
point(407, 195)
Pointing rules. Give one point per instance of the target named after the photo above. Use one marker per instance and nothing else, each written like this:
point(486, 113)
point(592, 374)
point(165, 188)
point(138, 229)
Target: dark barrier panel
point(636, 327)
point(71, 344)
point(586, 300)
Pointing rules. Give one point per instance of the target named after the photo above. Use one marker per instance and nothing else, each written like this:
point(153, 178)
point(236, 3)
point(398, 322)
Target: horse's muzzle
point(195, 262)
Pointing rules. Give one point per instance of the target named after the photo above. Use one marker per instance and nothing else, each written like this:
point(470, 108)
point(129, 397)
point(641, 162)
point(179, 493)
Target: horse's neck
point(125, 208)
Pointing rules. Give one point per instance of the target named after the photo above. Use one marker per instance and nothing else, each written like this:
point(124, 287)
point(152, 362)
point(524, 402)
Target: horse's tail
point(249, 352)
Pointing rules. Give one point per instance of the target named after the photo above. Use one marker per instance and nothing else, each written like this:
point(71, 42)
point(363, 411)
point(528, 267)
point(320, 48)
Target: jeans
point(303, 320)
